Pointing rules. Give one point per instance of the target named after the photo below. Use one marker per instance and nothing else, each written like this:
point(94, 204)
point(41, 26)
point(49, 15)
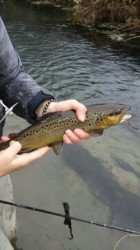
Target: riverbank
point(118, 20)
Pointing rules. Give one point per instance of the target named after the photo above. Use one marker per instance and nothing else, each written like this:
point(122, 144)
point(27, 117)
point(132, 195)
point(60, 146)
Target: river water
point(100, 178)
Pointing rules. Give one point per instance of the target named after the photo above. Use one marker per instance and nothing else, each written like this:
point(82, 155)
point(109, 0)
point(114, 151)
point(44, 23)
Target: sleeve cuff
point(35, 102)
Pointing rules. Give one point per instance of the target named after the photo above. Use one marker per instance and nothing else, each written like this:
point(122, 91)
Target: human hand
point(77, 135)
point(11, 161)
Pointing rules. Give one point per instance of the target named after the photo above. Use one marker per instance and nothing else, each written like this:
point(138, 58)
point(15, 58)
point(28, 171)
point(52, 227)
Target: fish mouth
point(125, 118)
point(118, 116)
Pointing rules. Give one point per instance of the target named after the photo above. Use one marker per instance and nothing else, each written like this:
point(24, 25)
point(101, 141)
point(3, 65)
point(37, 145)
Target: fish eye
point(115, 113)
point(111, 114)
point(118, 112)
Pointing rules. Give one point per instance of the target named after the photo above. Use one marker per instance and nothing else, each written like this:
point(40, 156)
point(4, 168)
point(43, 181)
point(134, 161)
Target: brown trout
point(49, 130)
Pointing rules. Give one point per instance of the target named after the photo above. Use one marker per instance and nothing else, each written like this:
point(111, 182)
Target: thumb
point(81, 113)
point(69, 105)
point(14, 148)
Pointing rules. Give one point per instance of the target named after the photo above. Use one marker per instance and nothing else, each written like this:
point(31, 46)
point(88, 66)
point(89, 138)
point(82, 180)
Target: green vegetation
point(120, 19)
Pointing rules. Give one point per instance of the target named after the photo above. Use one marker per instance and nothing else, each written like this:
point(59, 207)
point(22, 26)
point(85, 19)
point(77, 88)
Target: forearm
point(16, 85)
point(29, 95)
point(9, 60)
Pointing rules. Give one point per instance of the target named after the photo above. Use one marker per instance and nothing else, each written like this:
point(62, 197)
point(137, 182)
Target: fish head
point(111, 114)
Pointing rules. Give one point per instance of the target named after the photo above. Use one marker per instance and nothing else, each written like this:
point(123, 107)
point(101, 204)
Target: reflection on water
point(100, 177)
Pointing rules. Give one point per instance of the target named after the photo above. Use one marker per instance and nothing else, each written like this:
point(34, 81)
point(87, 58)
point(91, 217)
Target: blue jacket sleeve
point(16, 85)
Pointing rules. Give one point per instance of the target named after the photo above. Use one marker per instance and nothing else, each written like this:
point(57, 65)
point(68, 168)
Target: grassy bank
point(118, 19)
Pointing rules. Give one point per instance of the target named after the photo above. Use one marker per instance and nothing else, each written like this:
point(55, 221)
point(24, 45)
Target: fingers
point(36, 154)
point(69, 105)
point(82, 134)
point(25, 159)
point(69, 137)
point(11, 161)
point(75, 137)
point(81, 111)
point(4, 138)
point(13, 149)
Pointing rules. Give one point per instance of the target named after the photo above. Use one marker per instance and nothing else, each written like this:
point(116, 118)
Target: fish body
point(49, 130)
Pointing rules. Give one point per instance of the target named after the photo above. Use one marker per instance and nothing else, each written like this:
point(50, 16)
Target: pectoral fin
point(57, 147)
